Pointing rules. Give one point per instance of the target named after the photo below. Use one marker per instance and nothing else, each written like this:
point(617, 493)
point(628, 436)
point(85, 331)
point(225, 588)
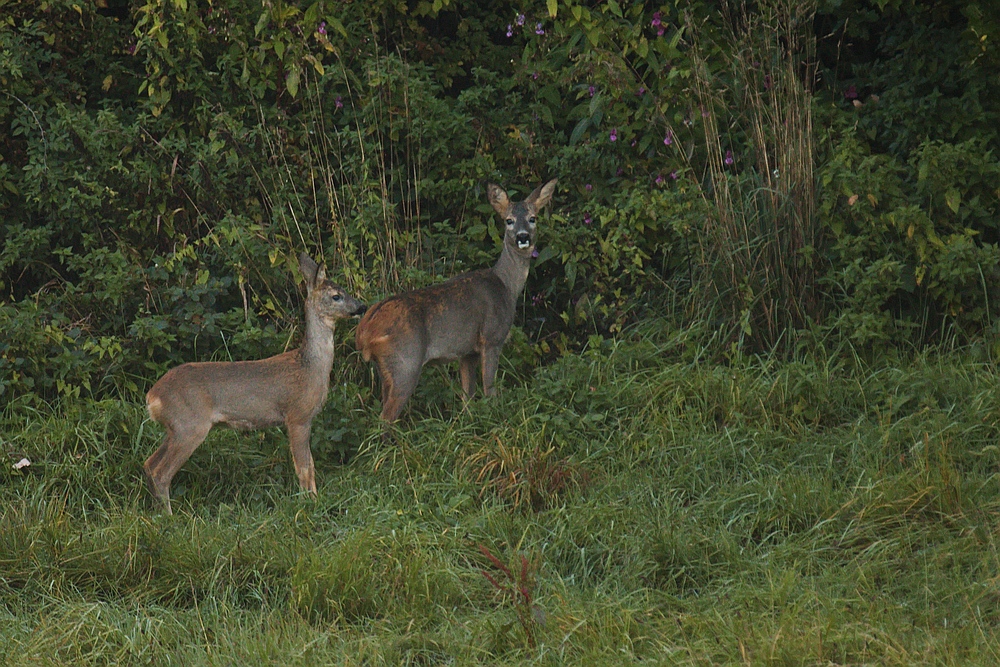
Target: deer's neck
point(512, 269)
point(316, 353)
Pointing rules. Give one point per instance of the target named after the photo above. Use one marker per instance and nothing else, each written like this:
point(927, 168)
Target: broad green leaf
point(578, 131)
point(317, 65)
point(553, 6)
point(311, 16)
point(615, 8)
point(292, 82)
point(570, 273)
point(262, 22)
point(336, 25)
point(954, 199)
point(642, 48)
point(675, 40)
point(577, 11)
point(546, 115)
point(547, 253)
point(595, 103)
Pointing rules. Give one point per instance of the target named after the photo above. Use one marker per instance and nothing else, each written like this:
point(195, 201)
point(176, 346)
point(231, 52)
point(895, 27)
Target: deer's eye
point(510, 222)
point(531, 220)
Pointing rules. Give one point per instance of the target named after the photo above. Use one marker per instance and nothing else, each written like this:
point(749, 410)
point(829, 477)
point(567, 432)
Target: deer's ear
point(309, 269)
point(542, 194)
point(498, 198)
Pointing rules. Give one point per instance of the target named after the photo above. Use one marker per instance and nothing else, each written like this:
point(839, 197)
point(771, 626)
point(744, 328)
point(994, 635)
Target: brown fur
point(288, 388)
point(465, 319)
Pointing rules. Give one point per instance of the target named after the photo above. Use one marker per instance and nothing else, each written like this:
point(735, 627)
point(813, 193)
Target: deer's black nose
point(523, 239)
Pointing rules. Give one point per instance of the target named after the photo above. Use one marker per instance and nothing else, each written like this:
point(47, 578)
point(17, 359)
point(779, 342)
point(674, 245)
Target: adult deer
point(291, 388)
point(466, 318)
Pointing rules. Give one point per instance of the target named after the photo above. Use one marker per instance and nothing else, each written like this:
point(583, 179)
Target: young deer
point(289, 388)
point(466, 318)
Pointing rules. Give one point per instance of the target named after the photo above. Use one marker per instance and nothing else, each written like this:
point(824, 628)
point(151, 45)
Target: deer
point(465, 319)
point(291, 387)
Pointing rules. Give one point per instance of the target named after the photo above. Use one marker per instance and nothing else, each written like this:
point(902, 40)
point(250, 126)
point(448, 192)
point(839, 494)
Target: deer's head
point(329, 301)
point(520, 217)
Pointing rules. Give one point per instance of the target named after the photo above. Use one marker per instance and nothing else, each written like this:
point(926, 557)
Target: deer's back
point(243, 394)
point(443, 321)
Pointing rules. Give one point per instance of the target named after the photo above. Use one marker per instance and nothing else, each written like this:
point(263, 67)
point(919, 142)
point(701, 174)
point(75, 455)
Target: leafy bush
point(163, 163)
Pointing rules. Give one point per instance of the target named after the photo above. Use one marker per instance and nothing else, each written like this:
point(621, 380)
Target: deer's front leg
point(298, 442)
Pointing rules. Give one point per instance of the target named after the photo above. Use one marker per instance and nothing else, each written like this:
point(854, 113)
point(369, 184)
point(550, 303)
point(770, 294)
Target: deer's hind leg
point(163, 464)
point(467, 371)
point(399, 379)
point(490, 363)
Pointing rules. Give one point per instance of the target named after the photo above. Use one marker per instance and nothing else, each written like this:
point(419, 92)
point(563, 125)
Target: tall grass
point(353, 188)
point(760, 243)
point(345, 194)
point(822, 510)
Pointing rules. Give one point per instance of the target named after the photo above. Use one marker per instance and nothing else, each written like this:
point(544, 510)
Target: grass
point(632, 503)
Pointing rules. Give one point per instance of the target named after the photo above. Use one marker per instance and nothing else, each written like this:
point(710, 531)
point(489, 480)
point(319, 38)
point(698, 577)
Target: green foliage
point(909, 186)
point(915, 245)
point(164, 161)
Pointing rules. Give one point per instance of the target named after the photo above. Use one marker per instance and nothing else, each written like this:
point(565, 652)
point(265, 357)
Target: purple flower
point(586, 219)
point(338, 102)
point(614, 135)
point(674, 174)
point(729, 157)
point(510, 30)
point(669, 139)
point(538, 29)
point(656, 22)
point(589, 187)
point(851, 93)
point(640, 92)
point(634, 142)
point(537, 299)
point(534, 253)
point(659, 33)
point(534, 75)
point(321, 29)
point(659, 179)
point(520, 19)
point(591, 90)
point(130, 49)
point(619, 172)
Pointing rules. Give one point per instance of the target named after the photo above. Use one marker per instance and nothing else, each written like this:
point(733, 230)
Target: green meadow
point(636, 502)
